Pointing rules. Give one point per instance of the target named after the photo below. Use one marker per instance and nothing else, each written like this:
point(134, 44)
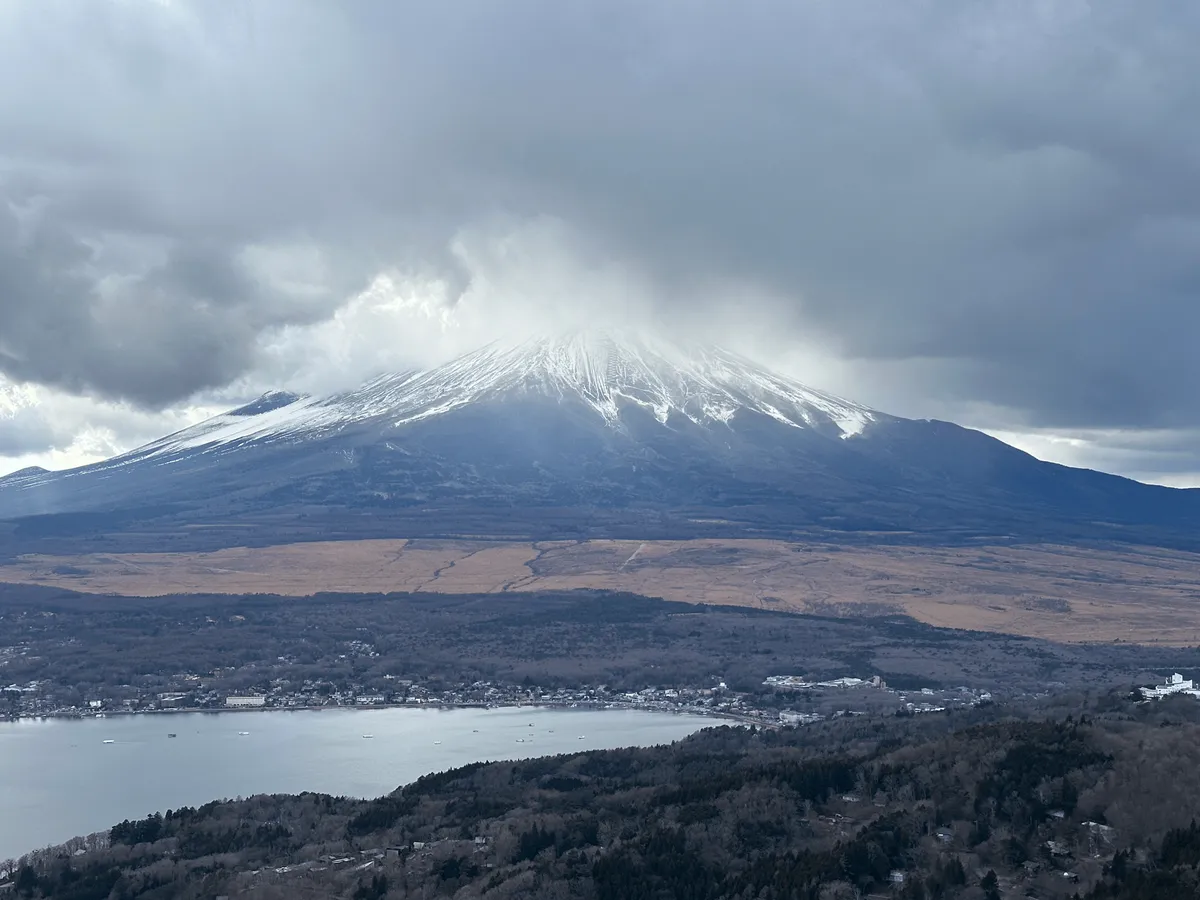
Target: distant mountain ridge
point(593, 434)
point(27, 472)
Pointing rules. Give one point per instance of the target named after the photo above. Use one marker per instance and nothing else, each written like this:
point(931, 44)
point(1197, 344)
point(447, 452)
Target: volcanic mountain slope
point(587, 435)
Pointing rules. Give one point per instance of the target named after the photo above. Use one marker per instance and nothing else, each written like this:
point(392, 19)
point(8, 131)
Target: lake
point(65, 777)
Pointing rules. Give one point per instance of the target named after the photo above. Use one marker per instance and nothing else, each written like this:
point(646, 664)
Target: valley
point(1064, 593)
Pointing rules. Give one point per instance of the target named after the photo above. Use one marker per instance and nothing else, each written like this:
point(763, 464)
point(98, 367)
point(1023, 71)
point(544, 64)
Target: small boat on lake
point(171, 734)
point(368, 737)
point(108, 741)
point(243, 733)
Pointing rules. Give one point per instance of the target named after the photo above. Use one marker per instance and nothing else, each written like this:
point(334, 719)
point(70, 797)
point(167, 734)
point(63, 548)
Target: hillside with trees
point(988, 803)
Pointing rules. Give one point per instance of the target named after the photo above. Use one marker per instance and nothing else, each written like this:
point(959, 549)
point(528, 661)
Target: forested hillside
point(994, 802)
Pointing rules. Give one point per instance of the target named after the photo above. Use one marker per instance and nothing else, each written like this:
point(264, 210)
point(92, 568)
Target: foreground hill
point(582, 436)
point(986, 804)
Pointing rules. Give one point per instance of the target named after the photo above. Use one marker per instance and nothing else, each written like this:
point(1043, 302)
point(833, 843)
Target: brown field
point(1141, 595)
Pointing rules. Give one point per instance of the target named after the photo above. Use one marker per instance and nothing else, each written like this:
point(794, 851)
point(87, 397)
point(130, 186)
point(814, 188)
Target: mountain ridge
point(595, 434)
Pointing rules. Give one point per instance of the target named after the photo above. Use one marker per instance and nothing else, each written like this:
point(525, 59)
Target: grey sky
point(986, 210)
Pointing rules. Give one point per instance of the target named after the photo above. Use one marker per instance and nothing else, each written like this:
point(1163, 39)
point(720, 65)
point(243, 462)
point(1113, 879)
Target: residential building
point(246, 702)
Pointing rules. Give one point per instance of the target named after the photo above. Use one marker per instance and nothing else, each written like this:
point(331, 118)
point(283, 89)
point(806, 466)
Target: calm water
point(59, 779)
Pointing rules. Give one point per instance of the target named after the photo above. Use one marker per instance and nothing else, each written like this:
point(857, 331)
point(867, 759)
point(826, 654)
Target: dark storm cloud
point(26, 432)
point(1004, 191)
point(188, 321)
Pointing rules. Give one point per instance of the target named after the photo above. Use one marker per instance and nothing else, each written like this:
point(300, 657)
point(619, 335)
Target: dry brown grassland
point(1141, 595)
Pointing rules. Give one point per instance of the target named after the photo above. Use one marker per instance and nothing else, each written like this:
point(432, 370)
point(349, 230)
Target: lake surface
point(59, 779)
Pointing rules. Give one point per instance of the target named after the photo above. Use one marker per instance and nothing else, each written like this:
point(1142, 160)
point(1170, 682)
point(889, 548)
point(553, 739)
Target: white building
point(789, 682)
point(799, 718)
point(842, 683)
point(246, 702)
point(1177, 684)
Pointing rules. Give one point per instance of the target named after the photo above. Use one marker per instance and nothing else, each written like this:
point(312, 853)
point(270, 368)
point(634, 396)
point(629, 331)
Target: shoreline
point(431, 704)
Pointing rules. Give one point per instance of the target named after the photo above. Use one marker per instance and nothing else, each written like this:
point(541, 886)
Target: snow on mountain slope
point(276, 416)
point(586, 434)
point(27, 474)
point(606, 372)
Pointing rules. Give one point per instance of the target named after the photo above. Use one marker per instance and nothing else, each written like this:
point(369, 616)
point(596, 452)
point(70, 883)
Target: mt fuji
point(586, 435)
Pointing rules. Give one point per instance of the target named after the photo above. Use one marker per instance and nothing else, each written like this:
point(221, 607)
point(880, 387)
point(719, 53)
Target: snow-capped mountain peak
point(596, 434)
point(607, 372)
point(610, 371)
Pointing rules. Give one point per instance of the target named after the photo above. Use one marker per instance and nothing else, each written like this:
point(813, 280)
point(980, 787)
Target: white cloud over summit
point(986, 211)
